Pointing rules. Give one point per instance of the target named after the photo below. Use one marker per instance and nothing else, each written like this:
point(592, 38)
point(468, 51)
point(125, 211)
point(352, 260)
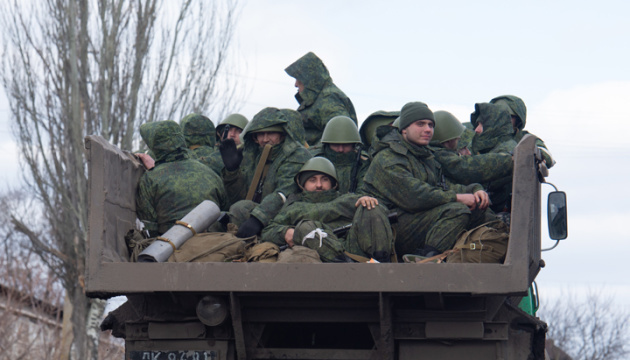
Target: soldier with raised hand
point(310, 216)
point(518, 112)
point(341, 144)
point(230, 128)
point(405, 176)
point(319, 98)
point(177, 183)
point(258, 189)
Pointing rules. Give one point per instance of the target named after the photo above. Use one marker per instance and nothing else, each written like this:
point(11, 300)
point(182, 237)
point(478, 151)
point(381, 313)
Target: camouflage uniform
point(344, 163)
point(285, 160)
point(321, 99)
point(371, 123)
point(407, 179)
point(496, 138)
point(518, 108)
point(177, 183)
point(370, 234)
point(482, 168)
point(200, 137)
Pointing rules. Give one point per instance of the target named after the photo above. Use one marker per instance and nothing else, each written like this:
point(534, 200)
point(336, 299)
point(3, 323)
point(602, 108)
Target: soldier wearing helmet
point(231, 128)
point(310, 215)
point(341, 144)
point(481, 168)
point(404, 175)
point(282, 130)
point(319, 98)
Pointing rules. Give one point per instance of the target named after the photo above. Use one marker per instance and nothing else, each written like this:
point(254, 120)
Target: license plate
point(174, 355)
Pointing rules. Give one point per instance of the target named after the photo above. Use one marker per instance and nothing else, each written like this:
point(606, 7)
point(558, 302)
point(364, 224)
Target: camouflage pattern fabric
point(481, 168)
point(321, 99)
point(344, 163)
point(177, 183)
point(285, 161)
point(496, 138)
point(407, 179)
point(199, 134)
point(371, 232)
point(213, 161)
point(518, 107)
point(465, 141)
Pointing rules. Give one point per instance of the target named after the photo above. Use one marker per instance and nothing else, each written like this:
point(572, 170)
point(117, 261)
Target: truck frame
point(313, 311)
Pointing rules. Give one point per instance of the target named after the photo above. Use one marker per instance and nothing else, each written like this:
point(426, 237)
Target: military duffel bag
point(487, 243)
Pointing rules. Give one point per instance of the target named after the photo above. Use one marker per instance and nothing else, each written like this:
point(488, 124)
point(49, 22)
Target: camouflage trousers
point(371, 234)
point(438, 227)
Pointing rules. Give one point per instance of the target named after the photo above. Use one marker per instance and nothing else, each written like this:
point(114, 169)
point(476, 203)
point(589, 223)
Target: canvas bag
point(487, 243)
point(211, 247)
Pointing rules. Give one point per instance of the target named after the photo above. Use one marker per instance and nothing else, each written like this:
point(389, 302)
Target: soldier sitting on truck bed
point(341, 144)
point(258, 188)
point(488, 168)
point(177, 183)
point(406, 178)
point(493, 135)
point(199, 135)
point(518, 111)
point(310, 216)
point(230, 128)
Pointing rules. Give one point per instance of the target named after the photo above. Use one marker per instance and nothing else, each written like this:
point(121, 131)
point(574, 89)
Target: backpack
point(487, 243)
point(211, 247)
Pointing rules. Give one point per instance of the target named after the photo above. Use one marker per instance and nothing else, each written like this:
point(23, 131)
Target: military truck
point(315, 311)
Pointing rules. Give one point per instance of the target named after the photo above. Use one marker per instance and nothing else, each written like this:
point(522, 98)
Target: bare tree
point(72, 68)
point(591, 329)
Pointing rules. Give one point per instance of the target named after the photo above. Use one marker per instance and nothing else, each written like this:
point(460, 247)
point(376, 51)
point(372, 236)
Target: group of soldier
point(312, 178)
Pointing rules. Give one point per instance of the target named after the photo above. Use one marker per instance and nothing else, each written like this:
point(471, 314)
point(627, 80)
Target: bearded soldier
point(309, 217)
point(404, 175)
point(259, 177)
point(319, 98)
point(177, 183)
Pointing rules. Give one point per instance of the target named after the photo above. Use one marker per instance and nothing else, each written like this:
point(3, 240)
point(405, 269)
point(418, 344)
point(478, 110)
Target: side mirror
point(557, 215)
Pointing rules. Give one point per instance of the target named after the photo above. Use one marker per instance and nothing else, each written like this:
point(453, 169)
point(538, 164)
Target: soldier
point(319, 98)
point(177, 183)
point(198, 132)
point(231, 128)
point(341, 144)
point(259, 195)
point(469, 169)
point(518, 113)
point(405, 177)
point(372, 122)
point(493, 135)
point(310, 216)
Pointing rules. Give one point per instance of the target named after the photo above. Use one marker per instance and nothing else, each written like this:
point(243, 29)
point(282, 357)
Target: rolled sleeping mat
point(197, 220)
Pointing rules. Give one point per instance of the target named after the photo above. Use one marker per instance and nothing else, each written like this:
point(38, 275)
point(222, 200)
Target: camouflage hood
point(311, 71)
point(516, 105)
point(198, 130)
point(289, 120)
point(497, 126)
point(375, 120)
point(165, 139)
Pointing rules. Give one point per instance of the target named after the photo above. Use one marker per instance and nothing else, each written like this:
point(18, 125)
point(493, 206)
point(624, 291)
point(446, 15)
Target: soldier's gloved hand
point(231, 156)
point(250, 227)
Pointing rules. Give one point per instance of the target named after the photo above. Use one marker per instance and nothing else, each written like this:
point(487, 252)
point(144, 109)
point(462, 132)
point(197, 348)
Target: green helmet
point(316, 165)
point(372, 122)
point(447, 127)
point(396, 122)
point(341, 130)
point(237, 120)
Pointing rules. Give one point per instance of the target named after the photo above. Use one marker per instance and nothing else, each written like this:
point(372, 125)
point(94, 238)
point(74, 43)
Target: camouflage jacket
point(177, 183)
point(285, 161)
point(407, 177)
point(330, 207)
point(321, 99)
point(518, 107)
point(481, 168)
point(344, 164)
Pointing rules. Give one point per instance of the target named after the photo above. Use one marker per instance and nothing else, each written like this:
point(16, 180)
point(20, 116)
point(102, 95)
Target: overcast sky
point(568, 60)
